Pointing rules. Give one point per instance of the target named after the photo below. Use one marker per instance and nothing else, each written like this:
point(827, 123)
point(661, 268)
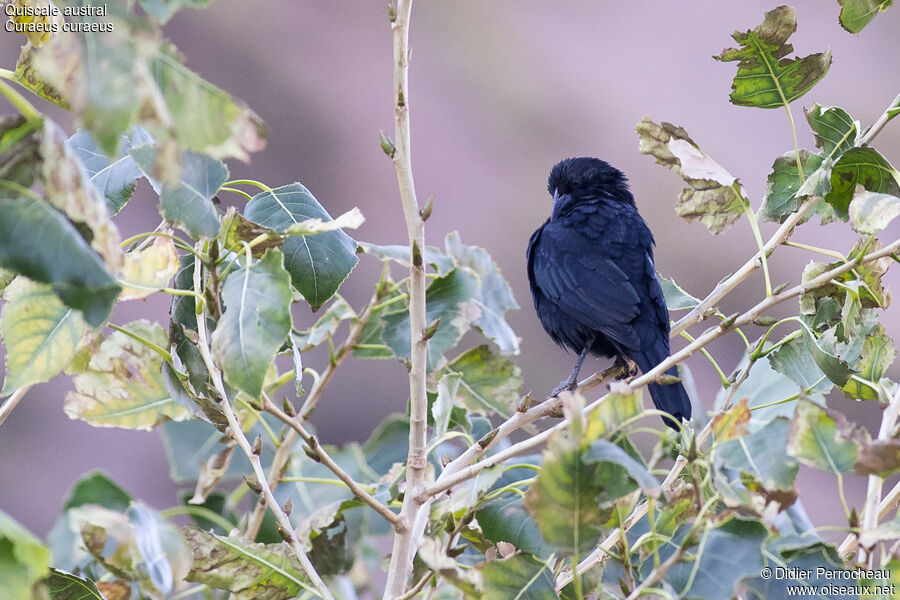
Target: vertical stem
point(405, 539)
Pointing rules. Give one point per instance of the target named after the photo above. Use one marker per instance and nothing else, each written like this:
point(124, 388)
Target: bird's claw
point(567, 385)
point(629, 366)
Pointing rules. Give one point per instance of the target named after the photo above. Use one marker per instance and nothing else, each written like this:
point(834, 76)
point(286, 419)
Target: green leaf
point(860, 166)
point(448, 387)
point(255, 323)
point(445, 299)
point(163, 10)
point(714, 196)
point(114, 177)
point(66, 586)
point(326, 326)
point(784, 183)
point(75, 271)
point(818, 438)
point(187, 203)
point(521, 576)
point(835, 130)
point(247, 570)
point(870, 212)
point(97, 488)
point(490, 382)
point(467, 494)
point(41, 334)
point(676, 297)
point(504, 519)
point(726, 554)
point(388, 444)
point(765, 78)
point(761, 455)
point(832, 364)
point(877, 355)
point(607, 452)
point(817, 567)
point(23, 559)
point(122, 385)
point(494, 296)
point(856, 14)
point(19, 149)
point(190, 444)
point(570, 499)
point(794, 360)
point(317, 264)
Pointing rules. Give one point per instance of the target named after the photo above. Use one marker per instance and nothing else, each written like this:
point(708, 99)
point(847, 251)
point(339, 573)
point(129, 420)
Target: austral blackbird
point(594, 286)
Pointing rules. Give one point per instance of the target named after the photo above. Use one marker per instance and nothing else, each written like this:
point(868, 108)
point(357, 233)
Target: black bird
point(594, 286)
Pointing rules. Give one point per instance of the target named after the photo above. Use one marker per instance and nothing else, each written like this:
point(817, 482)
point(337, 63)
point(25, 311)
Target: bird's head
point(575, 181)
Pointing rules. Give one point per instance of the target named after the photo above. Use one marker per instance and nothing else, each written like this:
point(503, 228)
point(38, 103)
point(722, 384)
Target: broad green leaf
point(255, 323)
point(77, 274)
point(726, 554)
point(571, 497)
point(318, 264)
point(248, 570)
point(521, 576)
point(783, 195)
point(870, 212)
point(765, 78)
point(818, 438)
point(41, 334)
point(181, 391)
point(801, 567)
point(504, 519)
point(761, 455)
point(602, 451)
point(67, 187)
point(149, 269)
point(163, 10)
point(129, 76)
point(122, 385)
point(494, 296)
point(860, 166)
point(877, 355)
point(856, 14)
point(620, 405)
point(23, 559)
point(433, 257)
point(835, 130)
point(67, 586)
point(490, 382)
point(388, 443)
point(338, 312)
point(833, 364)
point(794, 360)
point(676, 297)
point(19, 149)
point(97, 488)
point(114, 177)
point(446, 299)
point(187, 203)
point(732, 423)
point(448, 388)
point(713, 196)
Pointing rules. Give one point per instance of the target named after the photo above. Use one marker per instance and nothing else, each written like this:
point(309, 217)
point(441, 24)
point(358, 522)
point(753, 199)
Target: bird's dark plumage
point(593, 282)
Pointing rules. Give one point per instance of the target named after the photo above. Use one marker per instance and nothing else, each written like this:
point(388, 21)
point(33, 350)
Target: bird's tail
point(671, 398)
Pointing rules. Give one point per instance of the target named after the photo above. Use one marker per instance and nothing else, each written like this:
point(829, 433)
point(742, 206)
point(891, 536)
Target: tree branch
point(13, 401)
point(237, 433)
point(408, 529)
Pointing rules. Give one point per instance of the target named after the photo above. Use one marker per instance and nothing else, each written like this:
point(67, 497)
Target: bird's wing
point(586, 282)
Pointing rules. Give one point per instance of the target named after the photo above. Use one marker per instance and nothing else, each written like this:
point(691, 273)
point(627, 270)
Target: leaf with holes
point(318, 264)
point(765, 78)
point(255, 323)
point(41, 334)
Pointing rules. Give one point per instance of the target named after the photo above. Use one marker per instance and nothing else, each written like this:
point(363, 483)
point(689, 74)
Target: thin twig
point(13, 401)
point(412, 523)
point(237, 433)
point(329, 462)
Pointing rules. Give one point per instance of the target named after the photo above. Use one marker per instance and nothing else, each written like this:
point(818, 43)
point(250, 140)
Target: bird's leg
point(628, 365)
point(571, 382)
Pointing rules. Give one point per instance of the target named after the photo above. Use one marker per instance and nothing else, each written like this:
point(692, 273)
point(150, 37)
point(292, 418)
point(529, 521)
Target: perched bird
point(594, 286)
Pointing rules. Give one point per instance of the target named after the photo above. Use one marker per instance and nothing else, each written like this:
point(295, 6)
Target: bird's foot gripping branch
point(479, 491)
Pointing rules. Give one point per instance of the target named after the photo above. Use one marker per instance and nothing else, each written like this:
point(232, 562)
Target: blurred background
point(499, 92)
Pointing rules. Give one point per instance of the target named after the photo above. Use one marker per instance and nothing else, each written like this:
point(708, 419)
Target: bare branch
point(13, 401)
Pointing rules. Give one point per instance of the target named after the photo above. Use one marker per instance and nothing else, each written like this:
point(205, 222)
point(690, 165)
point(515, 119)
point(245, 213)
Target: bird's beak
point(555, 196)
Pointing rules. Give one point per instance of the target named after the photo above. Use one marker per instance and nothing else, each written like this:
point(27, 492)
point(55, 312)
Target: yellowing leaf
point(40, 332)
point(148, 270)
point(122, 385)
